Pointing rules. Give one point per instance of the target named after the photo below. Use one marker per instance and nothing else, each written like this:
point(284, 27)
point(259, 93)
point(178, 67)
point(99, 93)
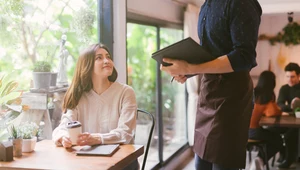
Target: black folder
point(101, 150)
point(186, 49)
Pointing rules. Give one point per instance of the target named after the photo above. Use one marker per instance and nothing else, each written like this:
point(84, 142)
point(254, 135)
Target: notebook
point(186, 49)
point(101, 150)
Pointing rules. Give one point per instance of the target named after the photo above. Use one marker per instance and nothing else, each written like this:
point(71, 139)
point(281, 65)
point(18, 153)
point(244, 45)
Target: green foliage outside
point(10, 104)
point(142, 69)
point(30, 31)
point(141, 43)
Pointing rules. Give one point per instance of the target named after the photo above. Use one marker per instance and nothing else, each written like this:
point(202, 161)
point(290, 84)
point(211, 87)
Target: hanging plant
point(290, 35)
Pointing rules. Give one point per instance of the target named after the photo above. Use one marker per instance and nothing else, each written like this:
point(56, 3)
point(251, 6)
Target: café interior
point(57, 31)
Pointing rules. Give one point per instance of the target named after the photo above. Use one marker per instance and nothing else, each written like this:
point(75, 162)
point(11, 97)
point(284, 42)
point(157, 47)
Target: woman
point(265, 105)
point(105, 108)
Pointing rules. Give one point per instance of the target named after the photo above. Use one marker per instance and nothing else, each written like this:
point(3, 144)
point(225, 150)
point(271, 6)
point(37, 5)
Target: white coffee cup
point(74, 129)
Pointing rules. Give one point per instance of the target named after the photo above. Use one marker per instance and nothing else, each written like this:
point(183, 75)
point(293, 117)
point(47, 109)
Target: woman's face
point(103, 65)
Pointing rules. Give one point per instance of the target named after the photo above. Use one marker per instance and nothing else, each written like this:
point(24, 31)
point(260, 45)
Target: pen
point(172, 79)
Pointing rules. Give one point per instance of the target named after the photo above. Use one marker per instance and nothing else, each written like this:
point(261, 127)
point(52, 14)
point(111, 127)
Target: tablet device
point(100, 150)
point(186, 49)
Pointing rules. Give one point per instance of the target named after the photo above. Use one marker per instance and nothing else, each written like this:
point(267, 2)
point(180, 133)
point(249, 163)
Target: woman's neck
point(100, 86)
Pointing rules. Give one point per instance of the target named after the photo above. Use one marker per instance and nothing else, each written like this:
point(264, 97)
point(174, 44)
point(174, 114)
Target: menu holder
point(186, 49)
point(99, 150)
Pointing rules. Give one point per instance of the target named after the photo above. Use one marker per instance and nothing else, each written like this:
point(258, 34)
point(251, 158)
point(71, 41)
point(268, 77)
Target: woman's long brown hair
point(82, 80)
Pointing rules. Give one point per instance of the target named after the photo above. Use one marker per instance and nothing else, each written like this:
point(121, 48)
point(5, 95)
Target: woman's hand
point(88, 139)
point(66, 142)
point(295, 103)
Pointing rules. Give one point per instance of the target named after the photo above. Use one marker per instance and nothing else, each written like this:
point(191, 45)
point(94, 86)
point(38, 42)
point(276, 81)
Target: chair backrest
point(144, 130)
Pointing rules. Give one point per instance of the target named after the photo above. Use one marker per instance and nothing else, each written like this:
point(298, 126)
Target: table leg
point(48, 125)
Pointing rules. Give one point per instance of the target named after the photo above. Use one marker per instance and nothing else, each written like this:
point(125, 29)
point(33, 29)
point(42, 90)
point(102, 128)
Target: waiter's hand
point(180, 79)
point(178, 67)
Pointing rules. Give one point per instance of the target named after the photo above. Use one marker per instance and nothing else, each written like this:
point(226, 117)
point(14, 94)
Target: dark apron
point(223, 118)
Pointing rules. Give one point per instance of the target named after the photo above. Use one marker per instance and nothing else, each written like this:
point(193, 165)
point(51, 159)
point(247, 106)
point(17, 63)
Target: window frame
point(159, 121)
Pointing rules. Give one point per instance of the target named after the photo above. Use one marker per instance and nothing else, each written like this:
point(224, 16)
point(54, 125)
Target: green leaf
point(297, 109)
point(9, 88)
point(10, 96)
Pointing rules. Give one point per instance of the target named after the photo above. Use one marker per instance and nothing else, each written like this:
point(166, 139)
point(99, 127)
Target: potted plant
point(41, 75)
point(297, 112)
point(10, 105)
point(29, 132)
point(16, 140)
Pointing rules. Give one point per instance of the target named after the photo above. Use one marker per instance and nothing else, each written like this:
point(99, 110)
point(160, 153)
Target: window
point(173, 98)
point(31, 30)
point(142, 41)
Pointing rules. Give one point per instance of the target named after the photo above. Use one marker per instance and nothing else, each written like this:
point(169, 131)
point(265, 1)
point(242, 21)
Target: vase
point(297, 114)
point(17, 147)
point(28, 145)
point(41, 80)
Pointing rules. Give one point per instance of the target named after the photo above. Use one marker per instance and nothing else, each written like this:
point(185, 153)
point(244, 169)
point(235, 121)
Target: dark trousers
point(272, 139)
point(201, 164)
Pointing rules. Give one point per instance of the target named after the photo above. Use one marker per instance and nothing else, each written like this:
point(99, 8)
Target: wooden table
point(281, 121)
point(48, 156)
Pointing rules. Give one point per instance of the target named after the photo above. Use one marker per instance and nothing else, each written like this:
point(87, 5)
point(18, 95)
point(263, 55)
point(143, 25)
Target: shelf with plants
point(290, 34)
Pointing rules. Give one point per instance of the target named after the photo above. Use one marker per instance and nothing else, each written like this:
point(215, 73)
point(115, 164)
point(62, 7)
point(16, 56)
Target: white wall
point(119, 44)
point(158, 9)
point(279, 6)
point(279, 54)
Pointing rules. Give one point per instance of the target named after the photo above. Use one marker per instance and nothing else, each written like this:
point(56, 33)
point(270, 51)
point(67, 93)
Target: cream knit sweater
point(110, 116)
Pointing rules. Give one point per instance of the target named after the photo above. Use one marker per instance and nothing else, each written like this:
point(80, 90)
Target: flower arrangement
point(28, 130)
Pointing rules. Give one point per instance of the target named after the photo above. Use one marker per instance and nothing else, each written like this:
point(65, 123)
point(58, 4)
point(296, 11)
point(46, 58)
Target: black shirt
point(286, 95)
point(230, 27)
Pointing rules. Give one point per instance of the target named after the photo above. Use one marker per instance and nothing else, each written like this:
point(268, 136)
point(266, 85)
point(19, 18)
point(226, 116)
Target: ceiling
point(268, 6)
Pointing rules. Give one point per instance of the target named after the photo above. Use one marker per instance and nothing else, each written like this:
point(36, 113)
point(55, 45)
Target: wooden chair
point(261, 146)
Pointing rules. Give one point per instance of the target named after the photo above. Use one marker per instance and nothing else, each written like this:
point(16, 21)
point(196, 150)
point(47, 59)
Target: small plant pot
point(17, 147)
point(297, 114)
point(29, 144)
point(41, 80)
point(53, 79)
